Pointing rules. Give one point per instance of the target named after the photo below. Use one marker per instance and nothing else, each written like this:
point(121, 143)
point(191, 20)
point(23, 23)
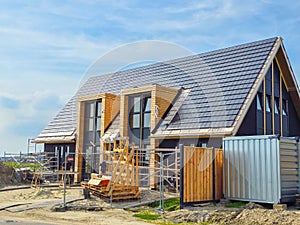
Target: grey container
point(261, 168)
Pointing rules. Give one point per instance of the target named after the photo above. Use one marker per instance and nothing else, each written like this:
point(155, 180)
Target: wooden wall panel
point(202, 174)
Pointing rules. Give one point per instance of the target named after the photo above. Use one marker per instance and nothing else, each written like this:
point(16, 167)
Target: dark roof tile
point(220, 82)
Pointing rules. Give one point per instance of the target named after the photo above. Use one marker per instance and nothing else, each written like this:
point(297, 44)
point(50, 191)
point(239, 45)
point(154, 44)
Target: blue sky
point(47, 46)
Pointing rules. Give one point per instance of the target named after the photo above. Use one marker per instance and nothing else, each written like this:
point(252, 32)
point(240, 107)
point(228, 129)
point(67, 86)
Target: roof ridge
point(169, 61)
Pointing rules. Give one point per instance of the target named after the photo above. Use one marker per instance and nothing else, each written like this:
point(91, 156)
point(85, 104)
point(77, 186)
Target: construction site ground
point(35, 206)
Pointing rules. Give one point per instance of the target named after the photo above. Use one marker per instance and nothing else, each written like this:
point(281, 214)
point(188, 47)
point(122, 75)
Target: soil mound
point(7, 175)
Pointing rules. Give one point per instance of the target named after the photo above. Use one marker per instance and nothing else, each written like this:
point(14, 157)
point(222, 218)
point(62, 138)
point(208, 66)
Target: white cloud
point(46, 46)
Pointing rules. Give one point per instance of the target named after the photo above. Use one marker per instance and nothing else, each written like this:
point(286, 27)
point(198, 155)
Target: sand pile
point(41, 193)
point(7, 175)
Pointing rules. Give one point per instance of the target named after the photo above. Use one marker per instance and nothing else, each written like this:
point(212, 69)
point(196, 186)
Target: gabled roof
point(220, 81)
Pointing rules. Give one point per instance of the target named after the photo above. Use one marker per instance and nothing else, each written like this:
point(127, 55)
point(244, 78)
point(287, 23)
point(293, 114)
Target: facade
point(248, 89)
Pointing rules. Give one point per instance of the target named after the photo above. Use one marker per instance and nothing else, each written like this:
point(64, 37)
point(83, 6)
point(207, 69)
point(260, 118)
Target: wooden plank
point(288, 153)
point(209, 188)
point(289, 171)
point(197, 176)
point(220, 166)
point(184, 175)
point(288, 165)
point(288, 159)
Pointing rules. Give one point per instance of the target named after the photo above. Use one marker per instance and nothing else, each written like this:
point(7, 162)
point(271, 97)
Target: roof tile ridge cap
point(254, 86)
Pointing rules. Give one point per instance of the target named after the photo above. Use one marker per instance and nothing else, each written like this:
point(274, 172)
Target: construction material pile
point(7, 175)
point(119, 178)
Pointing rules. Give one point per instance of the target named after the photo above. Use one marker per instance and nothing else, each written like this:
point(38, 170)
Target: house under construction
point(249, 89)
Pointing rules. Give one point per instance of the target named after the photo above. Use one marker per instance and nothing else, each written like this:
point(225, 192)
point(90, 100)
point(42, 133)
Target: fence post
point(176, 170)
point(213, 175)
point(181, 158)
point(111, 179)
point(161, 181)
point(65, 176)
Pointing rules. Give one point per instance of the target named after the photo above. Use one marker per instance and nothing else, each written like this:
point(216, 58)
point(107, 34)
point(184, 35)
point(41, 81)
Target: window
point(276, 110)
point(92, 133)
point(140, 118)
point(258, 102)
point(284, 107)
point(268, 109)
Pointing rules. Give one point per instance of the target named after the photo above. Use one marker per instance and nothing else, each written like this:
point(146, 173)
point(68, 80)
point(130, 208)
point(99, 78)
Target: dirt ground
point(34, 206)
point(249, 214)
point(46, 216)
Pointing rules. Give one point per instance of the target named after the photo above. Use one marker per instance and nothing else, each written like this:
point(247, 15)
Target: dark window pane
point(147, 119)
point(91, 124)
point(97, 142)
point(90, 136)
point(99, 109)
point(136, 121)
point(137, 104)
point(98, 124)
point(148, 105)
point(146, 133)
point(92, 109)
point(276, 111)
point(268, 109)
point(284, 111)
point(258, 103)
point(136, 133)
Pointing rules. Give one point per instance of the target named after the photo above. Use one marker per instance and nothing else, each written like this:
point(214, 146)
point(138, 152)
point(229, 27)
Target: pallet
point(119, 192)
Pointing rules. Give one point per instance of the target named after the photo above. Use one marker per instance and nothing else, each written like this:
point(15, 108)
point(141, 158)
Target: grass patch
point(169, 205)
point(15, 165)
point(147, 216)
point(235, 204)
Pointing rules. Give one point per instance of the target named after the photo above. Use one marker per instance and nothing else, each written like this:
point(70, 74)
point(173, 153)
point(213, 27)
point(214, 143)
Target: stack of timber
point(119, 178)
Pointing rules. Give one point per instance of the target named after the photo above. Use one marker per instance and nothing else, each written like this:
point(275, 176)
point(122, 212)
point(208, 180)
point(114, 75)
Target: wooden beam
point(273, 105)
point(265, 112)
point(280, 104)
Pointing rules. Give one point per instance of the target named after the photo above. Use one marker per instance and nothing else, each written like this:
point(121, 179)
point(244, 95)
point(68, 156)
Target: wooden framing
point(110, 108)
point(273, 100)
point(120, 180)
point(161, 98)
point(280, 104)
point(265, 112)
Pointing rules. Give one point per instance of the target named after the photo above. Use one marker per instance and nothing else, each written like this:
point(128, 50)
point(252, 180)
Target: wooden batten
point(273, 100)
point(265, 112)
point(79, 143)
point(280, 104)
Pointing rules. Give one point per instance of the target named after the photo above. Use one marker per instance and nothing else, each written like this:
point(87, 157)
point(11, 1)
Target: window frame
point(143, 111)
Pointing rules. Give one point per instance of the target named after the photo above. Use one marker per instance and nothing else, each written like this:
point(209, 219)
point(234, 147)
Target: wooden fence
point(201, 175)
